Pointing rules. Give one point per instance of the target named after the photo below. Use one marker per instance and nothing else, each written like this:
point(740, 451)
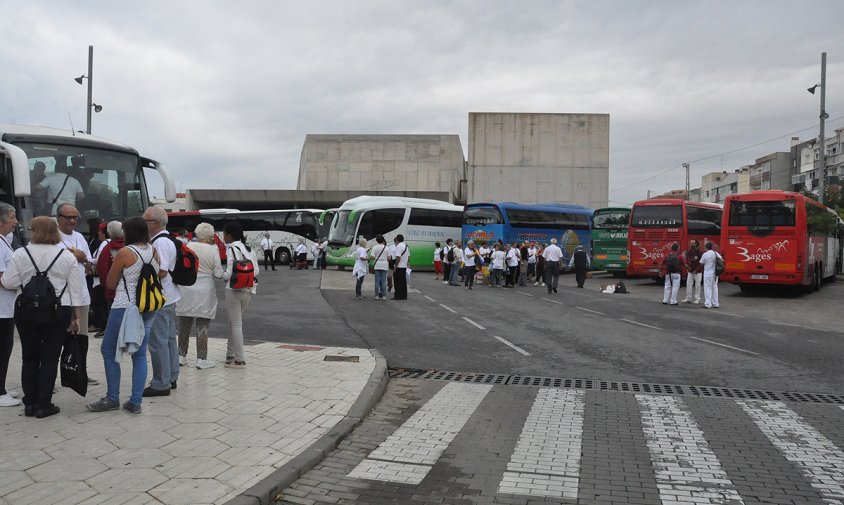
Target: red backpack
point(187, 264)
point(243, 271)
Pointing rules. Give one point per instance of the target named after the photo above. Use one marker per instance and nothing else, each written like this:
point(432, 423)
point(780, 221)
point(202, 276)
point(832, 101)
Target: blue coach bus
point(511, 222)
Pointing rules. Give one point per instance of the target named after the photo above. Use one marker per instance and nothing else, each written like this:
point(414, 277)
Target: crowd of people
point(68, 277)
point(699, 266)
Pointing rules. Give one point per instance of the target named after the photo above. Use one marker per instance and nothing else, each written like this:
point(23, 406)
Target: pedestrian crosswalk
point(546, 458)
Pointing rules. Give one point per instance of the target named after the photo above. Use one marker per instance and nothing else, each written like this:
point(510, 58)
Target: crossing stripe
point(546, 460)
point(412, 450)
point(685, 467)
point(813, 453)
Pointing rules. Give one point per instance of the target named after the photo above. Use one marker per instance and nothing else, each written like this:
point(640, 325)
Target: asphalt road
point(769, 341)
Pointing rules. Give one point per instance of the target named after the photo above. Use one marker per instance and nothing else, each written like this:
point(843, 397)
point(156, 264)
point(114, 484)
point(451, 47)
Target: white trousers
point(710, 290)
point(672, 287)
point(693, 280)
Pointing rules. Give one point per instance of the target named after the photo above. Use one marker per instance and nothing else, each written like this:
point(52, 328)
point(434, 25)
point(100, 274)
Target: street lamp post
point(821, 140)
point(90, 77)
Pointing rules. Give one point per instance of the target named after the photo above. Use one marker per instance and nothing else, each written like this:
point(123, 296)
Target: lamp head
point(812, 89)
point(79, 79)
point(97, 108)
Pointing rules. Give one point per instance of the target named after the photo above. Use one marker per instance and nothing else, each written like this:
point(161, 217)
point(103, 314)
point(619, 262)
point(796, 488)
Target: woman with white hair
point(361, 267)
point(199, 301)
point(8, 222)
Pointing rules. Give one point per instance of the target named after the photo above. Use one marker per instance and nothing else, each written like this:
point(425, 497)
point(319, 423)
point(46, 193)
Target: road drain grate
point(620, 386)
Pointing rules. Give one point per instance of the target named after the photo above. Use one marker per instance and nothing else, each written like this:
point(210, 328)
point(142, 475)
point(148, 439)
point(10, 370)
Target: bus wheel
point(282, 257)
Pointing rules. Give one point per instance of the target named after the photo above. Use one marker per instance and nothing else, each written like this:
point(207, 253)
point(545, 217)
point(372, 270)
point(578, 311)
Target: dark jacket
point(663, 267)
point(693, 260)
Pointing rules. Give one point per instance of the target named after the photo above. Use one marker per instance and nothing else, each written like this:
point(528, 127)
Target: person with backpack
point(380, 266)
point(47, 309)
point(134, 263)
point(8, 222)
point(240, 288)
point(198, 303)
point(672, 265)
point(163, 344)
point(710, 261)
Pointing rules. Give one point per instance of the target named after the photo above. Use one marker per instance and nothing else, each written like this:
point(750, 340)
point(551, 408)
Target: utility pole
point(688, 188)
point(649, 194)
point(90, 86)
point(821, 140)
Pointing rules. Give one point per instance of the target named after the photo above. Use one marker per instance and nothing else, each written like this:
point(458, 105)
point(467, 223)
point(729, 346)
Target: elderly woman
point(41, 340)
point(361, 267)
point(8, 221)
point(199, 302)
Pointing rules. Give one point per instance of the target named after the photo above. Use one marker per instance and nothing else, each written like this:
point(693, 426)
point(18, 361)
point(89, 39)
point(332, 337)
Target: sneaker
point(102, 405)
point(235, 364)
point(13, 394)
point(445, 282)
point(202, 364)
point(687, 300)
point(132, 408)
point(93, 382)
point(543, 284)
point(183, 360)
point(7, 400)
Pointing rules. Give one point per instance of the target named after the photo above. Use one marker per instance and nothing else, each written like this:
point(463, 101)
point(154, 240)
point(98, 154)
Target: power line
point(721, 154)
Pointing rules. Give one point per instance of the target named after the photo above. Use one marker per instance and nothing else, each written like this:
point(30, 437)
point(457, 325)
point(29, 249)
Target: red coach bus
point(656, 224)
point(779, 237)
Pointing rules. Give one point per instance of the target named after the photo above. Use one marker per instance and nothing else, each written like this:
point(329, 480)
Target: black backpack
point(672, 263)
point(450, 255)
point(620, 287)
point(38, 303)
point(186, 265)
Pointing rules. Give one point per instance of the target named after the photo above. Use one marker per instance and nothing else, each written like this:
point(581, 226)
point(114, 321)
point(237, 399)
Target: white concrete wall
point(381, 163)
point(535, 158)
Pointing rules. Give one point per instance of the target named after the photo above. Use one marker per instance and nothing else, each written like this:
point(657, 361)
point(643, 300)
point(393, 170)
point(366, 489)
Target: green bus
point(609, 239)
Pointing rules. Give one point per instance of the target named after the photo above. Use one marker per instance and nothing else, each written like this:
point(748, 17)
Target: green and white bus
point(421, 221)
point(609, 239)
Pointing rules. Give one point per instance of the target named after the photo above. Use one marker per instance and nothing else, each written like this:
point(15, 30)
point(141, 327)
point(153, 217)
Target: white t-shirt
point(361, 262)
point(708, 261)
point(77, 241)
point(379, 254)
point(167, 261)
point(498, 260)
point(53, 184)
point(458, 255)
point(7, 296)
point(468, 257)
point(63, 273)
point(552, 253)
point(301, 249)
point(391, 251)
point(513, 257)
point(531, 255)
point(437, 252)
point(241, 253)
point(102, 246)
point(266, 244)
point(402, 255)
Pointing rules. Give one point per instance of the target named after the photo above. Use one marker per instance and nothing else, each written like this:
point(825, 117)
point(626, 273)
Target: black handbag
point(73, 364)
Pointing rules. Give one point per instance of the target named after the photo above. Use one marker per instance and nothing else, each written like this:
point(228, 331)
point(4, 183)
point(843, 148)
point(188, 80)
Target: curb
point(269, 490)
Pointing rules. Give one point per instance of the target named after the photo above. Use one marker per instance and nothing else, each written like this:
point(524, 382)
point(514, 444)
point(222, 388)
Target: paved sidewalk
point(220, 433)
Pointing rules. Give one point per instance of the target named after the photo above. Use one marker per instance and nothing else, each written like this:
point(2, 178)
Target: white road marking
point(448, 309)
point(412, 450)
point(512, 345)
point(592, 311)
point(476, 325)
point(523, 293)
point(808, 449)
point(552, 301)
point(685, 467)
point(546, 460)
point(725, 345)
point(429, 298)
point(640, 324)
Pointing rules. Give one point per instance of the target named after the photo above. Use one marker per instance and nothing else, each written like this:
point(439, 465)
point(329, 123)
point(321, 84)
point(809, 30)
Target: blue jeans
point(139, 359)
point(164, 348)
point(455, 270)
point(380, 283)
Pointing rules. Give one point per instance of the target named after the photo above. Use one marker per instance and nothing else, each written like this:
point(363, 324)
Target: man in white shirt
point(457, 264)
point(67, 217)
point(512, 265)
point(163, 342)
point(62, 189)
point(553, 255)
point(710, 280)
point(531, 271)
point(449, 244)
point(267, 247)
point(402, 259)
point(301, 255)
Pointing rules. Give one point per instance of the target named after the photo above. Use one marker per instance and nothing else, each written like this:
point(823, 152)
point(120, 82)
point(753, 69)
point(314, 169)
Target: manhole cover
point(350, 359)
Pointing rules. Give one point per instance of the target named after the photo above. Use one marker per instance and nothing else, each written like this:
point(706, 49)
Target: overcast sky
point(225, 92)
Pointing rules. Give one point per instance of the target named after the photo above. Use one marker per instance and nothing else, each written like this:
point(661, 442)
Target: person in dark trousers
point(8, 223)
point(400, 275)
point(446, 263)
point(580, 262)
point(267, 247)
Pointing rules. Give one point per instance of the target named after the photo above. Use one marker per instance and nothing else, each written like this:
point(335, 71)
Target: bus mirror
point(20, 169)
point(169, 185)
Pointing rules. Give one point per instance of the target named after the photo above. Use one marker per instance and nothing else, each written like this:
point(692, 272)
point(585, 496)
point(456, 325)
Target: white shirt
point(379, 254)
point(64, 273)
point(437, 252)
point(498, 260)
point(241, 253)
point(97, 257)
point(552, 253)
point(77, 241)
point(7, 296)
point(531, 255)
point(167, 261)
point(445, 255)
point(513, 257)
point(301, 249)
point(361, 262)
point(458, 255)
point(708, 261)
point(266, 244)
point(468, 257)
point(391, 251)
point(53, 183)
point(402, 255)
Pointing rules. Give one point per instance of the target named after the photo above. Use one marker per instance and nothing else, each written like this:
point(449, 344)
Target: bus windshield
point(756, 213)
point(480, 216)
point(657, 216)
point(342, 230)
point(101, 184)
point(611, 220)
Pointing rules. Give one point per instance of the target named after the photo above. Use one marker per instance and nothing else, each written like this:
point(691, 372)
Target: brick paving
point(633, 449)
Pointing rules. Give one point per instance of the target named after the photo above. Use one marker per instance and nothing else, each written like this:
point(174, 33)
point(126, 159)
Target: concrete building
point(534, 158)
point(804, 161)
point(371, 163)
